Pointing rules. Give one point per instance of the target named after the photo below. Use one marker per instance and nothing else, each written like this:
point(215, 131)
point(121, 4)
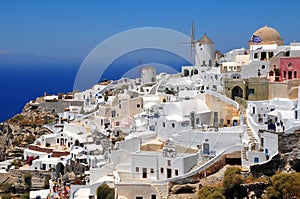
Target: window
point(256, 160)
point(271, 54)
point(57, 140)
point(284, 74)
point(119, 106)
point(113, 113)
point(263, 67)
point(139, 197)
point(251, 91)
point(267, 151)
point(255, 55)
point(263, 56)
point(153, 196)
point(137, 169)
point(169, 162)
point(221, 121)
point(151, 170)
point(197, 120)
point(176, 172)
point(138, 105)
point(228, 121)
point(173, 125)
point(295, 74)
point(164, 124)
point(161, 170)
point(287, 53)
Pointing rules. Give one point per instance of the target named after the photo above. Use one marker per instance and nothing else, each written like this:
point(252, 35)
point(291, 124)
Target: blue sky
point(69, 30)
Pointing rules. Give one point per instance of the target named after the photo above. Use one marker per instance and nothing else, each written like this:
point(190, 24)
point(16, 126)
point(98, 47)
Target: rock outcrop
point(23, 129)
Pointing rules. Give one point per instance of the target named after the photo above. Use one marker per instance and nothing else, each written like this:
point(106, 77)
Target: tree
point(111, 195)
point(46, 181)
point(104, 192)
point(27, 180)
point(231, 182)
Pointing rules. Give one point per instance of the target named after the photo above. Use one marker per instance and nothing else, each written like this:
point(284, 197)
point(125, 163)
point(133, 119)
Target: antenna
point(140, 64)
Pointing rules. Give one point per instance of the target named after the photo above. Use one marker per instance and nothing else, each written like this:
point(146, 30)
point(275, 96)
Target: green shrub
point(6, 196)
point(210, 192)
point(25, 196)
point(46, 181)
point(231, 183)
point(27, 180)
point(6, 187)
point(104, 192)
point(30, 139)
point(284, 185)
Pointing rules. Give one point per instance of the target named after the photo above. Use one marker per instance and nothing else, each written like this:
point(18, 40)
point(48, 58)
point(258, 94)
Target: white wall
point(252, 154)
point(252, 69)
point(155, 161)
point(224, 138)
point(271, 142)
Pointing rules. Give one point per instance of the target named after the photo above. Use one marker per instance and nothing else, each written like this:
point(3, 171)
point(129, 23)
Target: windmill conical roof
point(205, 40)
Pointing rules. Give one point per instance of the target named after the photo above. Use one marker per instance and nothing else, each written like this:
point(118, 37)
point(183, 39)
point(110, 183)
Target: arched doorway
point(236, 92)
point(186, 72)
point(59, 170)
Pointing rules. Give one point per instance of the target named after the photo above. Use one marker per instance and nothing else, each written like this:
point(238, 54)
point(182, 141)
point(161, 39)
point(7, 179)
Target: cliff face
point(23, 129)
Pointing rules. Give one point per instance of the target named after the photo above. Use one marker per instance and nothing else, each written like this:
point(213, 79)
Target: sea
point(20, 84)
point(21, 81)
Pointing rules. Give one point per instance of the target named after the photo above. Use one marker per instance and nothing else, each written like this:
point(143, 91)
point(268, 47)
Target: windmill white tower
point(205, 52)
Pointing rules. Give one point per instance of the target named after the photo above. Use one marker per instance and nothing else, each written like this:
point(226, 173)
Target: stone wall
point(288, 143)
point(268, 168)
point(60, 106)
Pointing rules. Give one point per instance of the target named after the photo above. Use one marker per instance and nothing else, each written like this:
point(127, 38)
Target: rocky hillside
point(23, 129)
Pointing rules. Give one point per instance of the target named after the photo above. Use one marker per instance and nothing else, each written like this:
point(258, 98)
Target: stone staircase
point(160, 189)
point(252, 138)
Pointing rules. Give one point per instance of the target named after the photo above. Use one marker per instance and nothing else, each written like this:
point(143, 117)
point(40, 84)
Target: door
point(144, 172)
point(205, 148)
point(193, 119)
point(169, 173)
point(62, 142)
point(290, 75)
point(236, 92)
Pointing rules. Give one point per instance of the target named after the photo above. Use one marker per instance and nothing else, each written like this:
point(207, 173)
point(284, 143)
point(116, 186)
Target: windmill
point(192, 42)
